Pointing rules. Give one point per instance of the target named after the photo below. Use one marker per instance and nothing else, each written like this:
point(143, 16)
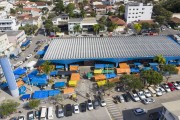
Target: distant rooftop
point(138, 4)
point(75, 20)
point(111, 47)
point(13, 33)
point(89, 20)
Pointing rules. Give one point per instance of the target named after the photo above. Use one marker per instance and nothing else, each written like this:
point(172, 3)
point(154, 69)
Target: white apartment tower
point(138, 11)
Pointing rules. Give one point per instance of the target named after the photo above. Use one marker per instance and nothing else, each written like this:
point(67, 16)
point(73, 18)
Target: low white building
point(72, 23)
point(5, 46)
point(171, 110)
point(61, 20)
point(6, 6)
point(138, 11)
point(8, 24)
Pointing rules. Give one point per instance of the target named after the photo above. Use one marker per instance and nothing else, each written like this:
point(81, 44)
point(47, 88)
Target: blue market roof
point(59, 84)
point(111, 47)
point(20, 71)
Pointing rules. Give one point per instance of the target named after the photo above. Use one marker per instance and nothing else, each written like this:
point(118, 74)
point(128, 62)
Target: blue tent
point(26, 80)
point(137, 64)
point(153, 64)
point(26, 96)
point(40, 94)
point(53, 92)
point(146, 68)
point(174, 63)
point(41, 52)
point(53, 73)
point(20, 71)
point(109, 66)
point(26, 43)
point(112, 75)
point(22, 90)
point(16, 76)
point(135, 70)
point(39, 80)
point(155, 68)
point(32, 74)
point(59, 66)
point(100, 66)
point(3, 85)
point(59, 84)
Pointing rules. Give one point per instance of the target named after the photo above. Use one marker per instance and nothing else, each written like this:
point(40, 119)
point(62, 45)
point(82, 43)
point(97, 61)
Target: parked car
point(166, 88)
point(148, 100)
point(18, 64)
point(68, 110)
point(50, 113)
point(139, 111)
point(147, 93)
point(102, 101)
point(83, 107)
point(29, 56)
point(135, 97)
point(60, 112)
point(162, 90)
point(171, 86)
point(158, 92)
point(176, 85)
point(141, 95)
point(96, 104)
point(121, 98)
point(21, 117)
point(37, 114)
point(30, 115)
point(13, 118)
point(154, 116)
point(153, 92)
point(178, 82)
point(163, 28)
point(126, 97)
point(89, 105)
point(76, 108)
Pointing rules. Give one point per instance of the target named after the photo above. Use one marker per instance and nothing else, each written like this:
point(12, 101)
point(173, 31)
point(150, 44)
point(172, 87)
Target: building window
point(136, 9)
point(129, 9)
point(136, 16)
point(142, 8)
point(129, 17)
point(129, 13)
point(133, 13)
point(142, 12)
point(133, 9)
point(136, 13)
point(133, 17)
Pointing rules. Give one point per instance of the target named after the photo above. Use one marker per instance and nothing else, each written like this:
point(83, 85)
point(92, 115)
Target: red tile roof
point(41, 3)
point(175, 20)
point(117, 20)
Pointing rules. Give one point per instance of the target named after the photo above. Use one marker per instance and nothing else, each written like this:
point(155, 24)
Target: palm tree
point(160, 59)
point(77, 28)
point(96, 28)
point(47, 68)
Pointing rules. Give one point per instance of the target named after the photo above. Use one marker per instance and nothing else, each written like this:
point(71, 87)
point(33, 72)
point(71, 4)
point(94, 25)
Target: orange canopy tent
point(122, 71)
point(69, 90)
point(74, 67)
point(99, 77)
point(124, 65)
point(75, 76)
point(20, 83)
point(114, 80)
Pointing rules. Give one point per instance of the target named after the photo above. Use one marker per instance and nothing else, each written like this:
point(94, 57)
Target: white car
point(21, 117)
point(148, 100)
point(177, 86)
point(76, 108)
point(90, 105)
point(166, 87)
point(18, 64)
point(158, 92)
point(121, 98)
point(147, 93)
point(162, 90)
point(141, 95)
point(135, 97)
point(29, 56)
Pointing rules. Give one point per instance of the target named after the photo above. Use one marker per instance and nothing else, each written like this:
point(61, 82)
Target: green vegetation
point(138, 27)
point(77, 28)
point(160, 59)
point(12, 11)
point(33, 103)
point(45, 10)
point(168, 70)
point(47, 67)
point(96, 28)
point(59, 7)
point(29, 29)
point(173, 6)
point(50, 27)
point(8, 107)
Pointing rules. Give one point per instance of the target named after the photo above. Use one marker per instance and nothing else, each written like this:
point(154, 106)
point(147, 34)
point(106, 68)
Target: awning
point(39, 80)
point(41, 52)
point(153, 64)
point(124, 65)
point(26, 43)
point(20, 83)
point(99, 66)
point(98, 71)
point(59, 66)
point(40, 94)
point(32, 74)
point(59, 84)
point(53, 73)
point(99, 77)
point(20, 71)
point(108, 71)
point(72, 83)
point(89, 75)
point(75, 76)
point(146, 68)
point(137, 64)
point(26, 96)
point(109, 66)
point(122, 71)
point(69, 90)
point(101, 83)
point(135, 70)
point(16, 76)
point(53, 92)
point(113, 75)
point(74, 67)
point(66, 72)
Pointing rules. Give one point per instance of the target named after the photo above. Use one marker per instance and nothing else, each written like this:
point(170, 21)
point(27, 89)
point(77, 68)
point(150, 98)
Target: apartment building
point(137, 12)
point(61, 20)
point(8, 24)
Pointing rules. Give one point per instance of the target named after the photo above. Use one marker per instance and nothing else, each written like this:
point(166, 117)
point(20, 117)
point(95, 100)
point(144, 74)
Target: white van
point(50, 113)
point(43, 113)
point(153, 92)
point(30, 65)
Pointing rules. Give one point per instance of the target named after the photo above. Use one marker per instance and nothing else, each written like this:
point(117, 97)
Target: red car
point(171, 86)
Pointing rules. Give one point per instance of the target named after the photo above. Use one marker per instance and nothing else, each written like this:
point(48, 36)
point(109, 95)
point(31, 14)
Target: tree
point(59, 7)
point(102, 20)
point(121, 10)
point(111, 26)
point(29, 29)
point(85, 2)
point(93, 14)
point(57, 99)
point(69, 8)
point(168, 70)
point(160, 59)
point(160, 19)
point(96, 28)
point(83, 13)
point(45, 10)
point(51, 15)
point(109, 86)
point(101, 27)
point(8, 107)
point(145, 25)
point(47, 68)
point(172, 6)
point(12, 11)
point(138, 27)
point(77, 28)
point(33, 103)
point(151, 77)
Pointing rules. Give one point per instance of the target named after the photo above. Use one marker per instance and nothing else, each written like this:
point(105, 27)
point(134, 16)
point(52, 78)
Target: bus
point(50, 113)
point(25, 45)
point(43, 113)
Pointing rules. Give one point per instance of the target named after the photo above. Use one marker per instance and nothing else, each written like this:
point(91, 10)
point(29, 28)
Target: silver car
point(60, 112)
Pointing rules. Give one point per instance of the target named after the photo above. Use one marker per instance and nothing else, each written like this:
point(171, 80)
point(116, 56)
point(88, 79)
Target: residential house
point(123, 1)
point(171, 111)
point(33, 11)
point(61, 20)
point(66, 2)
point(100, 9)
point(41, 5)
point(72, 23)
point(8, 24)
point(6, 6)
point(121, 23)
point(87, 25)
point(175, 22)
point(5, 46)
point(138, 11)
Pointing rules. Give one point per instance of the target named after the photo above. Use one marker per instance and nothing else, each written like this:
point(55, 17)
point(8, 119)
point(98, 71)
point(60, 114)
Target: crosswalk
point(113, 110)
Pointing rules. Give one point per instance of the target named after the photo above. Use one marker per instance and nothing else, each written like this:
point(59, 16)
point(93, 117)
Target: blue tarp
point(53, 73)
point(59, 84)
point(137, 64)
point(26, 43)
point(155, 68)
point(99, 66)
point(40, 94)
point(26, 96)
point(109, 66)
point(146, 68)
point(26, 79)
point(16, 76)
point(22, 90)
point(59, 66)
point(174, 63)
point(33, 74)
point(20, 71)
point(39, 80)
point(153, 64)
point(135, 70)
point(41, 52)
point(112, 75)
point(3, 85)
point(53, 92)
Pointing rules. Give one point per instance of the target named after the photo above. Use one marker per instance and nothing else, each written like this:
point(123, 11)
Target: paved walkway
point(113, 110)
